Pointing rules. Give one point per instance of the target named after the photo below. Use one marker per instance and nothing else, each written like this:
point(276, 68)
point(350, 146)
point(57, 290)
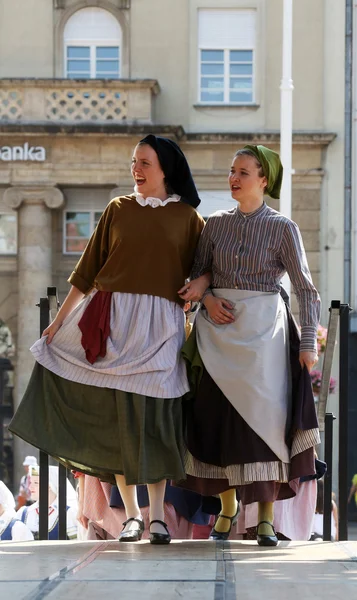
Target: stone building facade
point(81, 81)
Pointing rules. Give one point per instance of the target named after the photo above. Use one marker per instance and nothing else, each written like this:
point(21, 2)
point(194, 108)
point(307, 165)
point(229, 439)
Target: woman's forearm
point(81, 489)
point(206, 278)
point(71, 301)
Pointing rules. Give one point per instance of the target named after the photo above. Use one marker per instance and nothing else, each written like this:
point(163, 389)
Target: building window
point(92, 41)
point(78, 226)
point(226, 56)
point(8, 233)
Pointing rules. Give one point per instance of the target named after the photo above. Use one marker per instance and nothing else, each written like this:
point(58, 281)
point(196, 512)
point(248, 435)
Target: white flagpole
point(286, 115)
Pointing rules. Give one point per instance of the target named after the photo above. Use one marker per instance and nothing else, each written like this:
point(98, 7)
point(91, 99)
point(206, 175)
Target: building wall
point(159, 49)
point(26, 40)
point(36, 51)
point(307, 67)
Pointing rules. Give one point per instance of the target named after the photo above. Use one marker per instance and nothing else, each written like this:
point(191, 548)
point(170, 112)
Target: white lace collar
point(154, 202)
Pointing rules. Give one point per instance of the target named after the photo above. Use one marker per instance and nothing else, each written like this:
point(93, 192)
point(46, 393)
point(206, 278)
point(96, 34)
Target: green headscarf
point(272, 168)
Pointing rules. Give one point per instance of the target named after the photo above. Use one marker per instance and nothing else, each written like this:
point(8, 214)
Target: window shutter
point(226, 28)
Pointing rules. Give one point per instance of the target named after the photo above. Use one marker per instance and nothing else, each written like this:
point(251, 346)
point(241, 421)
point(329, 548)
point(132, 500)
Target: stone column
point(34, 206)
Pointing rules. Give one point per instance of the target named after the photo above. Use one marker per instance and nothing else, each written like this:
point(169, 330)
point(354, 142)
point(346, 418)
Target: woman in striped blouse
point(252, 426)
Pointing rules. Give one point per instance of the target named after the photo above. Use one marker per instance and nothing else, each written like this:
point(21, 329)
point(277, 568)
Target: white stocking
point(130, 501)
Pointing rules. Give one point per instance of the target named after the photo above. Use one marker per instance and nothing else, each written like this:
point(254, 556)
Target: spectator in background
point(24, 495)
point(11, 528)
point(30, 514)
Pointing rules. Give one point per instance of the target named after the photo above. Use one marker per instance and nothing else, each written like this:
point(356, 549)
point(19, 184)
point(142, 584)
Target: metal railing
point(339, 320)
point(48, 310)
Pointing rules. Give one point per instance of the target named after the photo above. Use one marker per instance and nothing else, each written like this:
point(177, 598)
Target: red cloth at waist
point(95, 326)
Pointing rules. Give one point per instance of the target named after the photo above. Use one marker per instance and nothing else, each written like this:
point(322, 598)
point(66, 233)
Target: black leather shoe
point(224, 535)
point(160, 538)
point(134, 535)
point(267, 540)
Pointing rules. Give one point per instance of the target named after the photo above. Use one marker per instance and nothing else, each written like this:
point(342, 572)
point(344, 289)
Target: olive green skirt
point(102, 431)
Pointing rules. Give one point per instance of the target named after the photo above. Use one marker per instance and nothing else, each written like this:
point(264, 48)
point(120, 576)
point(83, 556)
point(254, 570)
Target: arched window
point(92, 45)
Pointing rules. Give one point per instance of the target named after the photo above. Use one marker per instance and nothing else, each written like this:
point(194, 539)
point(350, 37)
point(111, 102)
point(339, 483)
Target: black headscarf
point(175, 167)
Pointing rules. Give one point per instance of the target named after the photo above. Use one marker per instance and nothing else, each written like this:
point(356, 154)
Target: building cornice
point(61, 82)
point(318, 138)
point(302, 138)
point(89, 129)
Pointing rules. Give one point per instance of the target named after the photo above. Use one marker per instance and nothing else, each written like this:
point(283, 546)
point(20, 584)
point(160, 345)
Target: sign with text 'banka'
point(22, 153)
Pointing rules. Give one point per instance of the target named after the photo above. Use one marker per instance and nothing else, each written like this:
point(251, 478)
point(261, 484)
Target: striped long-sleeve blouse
point(252, 252)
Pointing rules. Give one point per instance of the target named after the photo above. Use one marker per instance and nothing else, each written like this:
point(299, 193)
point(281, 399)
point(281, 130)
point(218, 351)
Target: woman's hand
point(309, 359)
point(194, 290)
point(72, 300)
point(83, 520)
point(51, 330)
point(219, 310)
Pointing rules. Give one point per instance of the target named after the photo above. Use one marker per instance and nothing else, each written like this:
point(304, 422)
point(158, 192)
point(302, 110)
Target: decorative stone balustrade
point(86, 101)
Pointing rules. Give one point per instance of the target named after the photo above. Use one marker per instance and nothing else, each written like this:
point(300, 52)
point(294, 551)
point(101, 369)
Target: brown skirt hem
point(302, 464)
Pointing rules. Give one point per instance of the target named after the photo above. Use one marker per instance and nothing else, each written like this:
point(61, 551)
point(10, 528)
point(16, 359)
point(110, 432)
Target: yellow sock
point(229, 508)
point(265, 513)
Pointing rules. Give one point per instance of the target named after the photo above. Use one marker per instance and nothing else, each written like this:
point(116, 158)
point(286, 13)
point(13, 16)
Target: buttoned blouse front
point(253, 252)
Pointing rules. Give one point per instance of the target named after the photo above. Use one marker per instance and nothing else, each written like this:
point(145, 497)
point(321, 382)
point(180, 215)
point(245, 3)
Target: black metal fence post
point(343, 421)
point(62, 503)
point(329, 419)
point(48, 307)
point(43, 499)
point(53, 305)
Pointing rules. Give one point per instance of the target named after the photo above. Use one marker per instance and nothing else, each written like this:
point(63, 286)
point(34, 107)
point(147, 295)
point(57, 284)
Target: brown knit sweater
point(140, 250)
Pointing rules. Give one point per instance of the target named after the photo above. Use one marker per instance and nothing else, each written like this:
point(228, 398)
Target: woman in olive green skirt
point(105, 393)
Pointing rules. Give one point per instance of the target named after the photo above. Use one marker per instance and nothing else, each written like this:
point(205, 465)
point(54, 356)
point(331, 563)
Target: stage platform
point(189, 570)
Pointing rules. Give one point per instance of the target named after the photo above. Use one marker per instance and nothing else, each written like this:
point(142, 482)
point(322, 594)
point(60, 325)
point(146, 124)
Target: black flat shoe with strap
point(133, 535)
point(160, 538)
point(266, 540)
point(224, 535)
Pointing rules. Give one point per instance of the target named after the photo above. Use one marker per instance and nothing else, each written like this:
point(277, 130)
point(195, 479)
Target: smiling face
point(147, 172)
point(245, 180)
